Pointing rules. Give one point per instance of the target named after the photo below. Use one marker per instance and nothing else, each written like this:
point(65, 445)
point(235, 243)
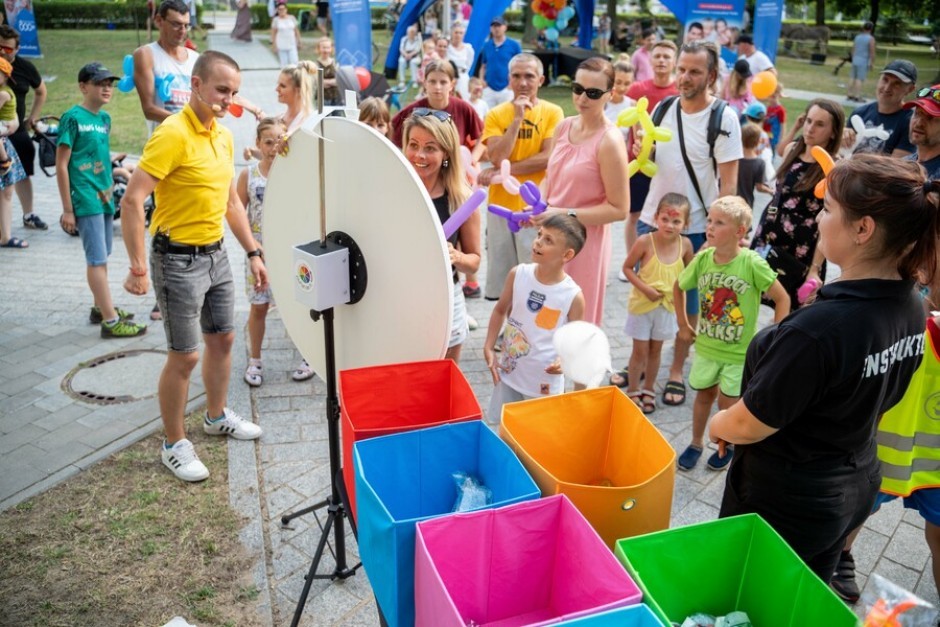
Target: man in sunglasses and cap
point(897, 80)
point(25, 77)
point(925, 129)
point(497, 51)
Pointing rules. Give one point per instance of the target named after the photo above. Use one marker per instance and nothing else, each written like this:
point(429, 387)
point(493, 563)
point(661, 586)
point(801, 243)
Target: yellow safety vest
point(909, 433)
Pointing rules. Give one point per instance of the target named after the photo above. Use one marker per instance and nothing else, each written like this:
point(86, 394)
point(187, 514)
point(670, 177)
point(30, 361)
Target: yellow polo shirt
point(539, 125)
point(194, 166)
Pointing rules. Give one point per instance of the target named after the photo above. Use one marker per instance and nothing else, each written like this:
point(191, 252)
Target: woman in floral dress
point(788, 225)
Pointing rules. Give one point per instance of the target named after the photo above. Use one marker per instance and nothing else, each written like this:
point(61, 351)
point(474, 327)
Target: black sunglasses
point(423, 112)
point(929, 92)
point(592, 92)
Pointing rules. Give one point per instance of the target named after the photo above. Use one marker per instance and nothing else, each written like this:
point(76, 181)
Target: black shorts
point(639, 190)
point(25, 150)
point(812, 509)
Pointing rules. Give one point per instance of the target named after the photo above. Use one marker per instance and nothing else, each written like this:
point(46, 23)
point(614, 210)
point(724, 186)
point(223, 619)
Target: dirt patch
point(126, 543)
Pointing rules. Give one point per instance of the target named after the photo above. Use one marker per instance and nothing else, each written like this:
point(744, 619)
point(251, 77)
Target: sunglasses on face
point(592, 92)
point(7, 49)
point(423, 112)
point(926, 92)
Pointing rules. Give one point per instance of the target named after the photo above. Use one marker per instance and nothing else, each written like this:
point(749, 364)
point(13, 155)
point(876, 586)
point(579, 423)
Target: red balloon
point(236, 110)
point(550, 12)
point(364, 76)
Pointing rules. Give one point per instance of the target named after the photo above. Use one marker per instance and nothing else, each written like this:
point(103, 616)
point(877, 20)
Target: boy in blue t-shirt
point(730, 281)
point(83, 172)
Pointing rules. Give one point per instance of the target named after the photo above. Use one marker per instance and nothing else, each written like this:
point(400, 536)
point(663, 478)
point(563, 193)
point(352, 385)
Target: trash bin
point(533, 563)
point(382, 400)
point(738, 563)
point(632, 616)
point(596, 447)
point(408, 477)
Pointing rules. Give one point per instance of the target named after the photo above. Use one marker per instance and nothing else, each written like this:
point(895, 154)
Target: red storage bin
point(382, 400)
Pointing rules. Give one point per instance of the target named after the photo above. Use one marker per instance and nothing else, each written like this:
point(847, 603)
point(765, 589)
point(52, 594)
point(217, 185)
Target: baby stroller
point(46, 136)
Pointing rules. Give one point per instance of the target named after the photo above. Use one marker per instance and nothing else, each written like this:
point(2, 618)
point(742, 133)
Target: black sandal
point(676, 388)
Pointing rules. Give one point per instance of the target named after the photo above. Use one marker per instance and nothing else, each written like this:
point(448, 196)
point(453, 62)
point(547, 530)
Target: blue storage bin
point(632, 616)
point(405, 478)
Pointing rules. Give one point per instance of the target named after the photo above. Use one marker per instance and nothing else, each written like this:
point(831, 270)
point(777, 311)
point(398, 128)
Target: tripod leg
point(312, 572)
point(286, 518)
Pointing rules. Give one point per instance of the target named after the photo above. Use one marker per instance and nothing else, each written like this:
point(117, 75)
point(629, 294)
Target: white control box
point(321, 275)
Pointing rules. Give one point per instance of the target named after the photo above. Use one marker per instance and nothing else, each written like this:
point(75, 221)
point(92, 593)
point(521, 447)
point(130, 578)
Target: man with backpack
point(699, 162)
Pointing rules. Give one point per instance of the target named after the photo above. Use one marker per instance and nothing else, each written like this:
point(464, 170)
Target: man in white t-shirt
point(758, 61)
point(696, 69)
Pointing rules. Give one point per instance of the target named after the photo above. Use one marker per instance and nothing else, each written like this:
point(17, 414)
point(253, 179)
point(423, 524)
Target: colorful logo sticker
point(304, 276)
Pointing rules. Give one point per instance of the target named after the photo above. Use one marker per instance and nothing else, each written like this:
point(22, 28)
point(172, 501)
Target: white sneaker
point(233, 425)
point(622, 277)
point(181, 458)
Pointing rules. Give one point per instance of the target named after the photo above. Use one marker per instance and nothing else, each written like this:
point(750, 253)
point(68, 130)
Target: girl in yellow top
point(661, 256)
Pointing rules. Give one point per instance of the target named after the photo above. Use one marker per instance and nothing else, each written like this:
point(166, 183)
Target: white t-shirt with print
point(671, 175)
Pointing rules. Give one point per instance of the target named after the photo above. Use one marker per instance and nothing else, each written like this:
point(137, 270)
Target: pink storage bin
point(532, 563)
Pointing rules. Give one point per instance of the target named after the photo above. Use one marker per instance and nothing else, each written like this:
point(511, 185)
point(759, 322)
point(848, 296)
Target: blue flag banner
point(409, 16)
point(352, 28)
point(768, 16)
point(21, 17)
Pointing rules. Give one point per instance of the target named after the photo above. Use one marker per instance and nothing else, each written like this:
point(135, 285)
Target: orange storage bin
point(382, 400)
point(597, 448)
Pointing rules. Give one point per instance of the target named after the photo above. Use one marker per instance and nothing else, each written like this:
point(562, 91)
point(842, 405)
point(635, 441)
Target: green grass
point(65, 52)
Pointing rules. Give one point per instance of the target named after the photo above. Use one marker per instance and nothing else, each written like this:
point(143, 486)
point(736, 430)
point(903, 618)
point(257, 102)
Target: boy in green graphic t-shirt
point(83, 172)
point(730, 281)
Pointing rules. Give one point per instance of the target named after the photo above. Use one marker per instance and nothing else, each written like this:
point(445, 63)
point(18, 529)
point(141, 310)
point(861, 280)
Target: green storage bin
point(737, 563)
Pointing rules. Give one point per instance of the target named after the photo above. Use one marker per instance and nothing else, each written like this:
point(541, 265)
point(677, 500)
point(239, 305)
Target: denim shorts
point(926, 501)
point(97, 233)
point(195, 293)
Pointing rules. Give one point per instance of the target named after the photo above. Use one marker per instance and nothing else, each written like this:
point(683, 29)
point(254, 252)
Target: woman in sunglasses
point(432, 146)
point(586, 178)
point(439, 81)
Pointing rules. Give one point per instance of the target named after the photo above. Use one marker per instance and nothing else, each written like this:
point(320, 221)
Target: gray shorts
point(193, 289)
point(859, 71)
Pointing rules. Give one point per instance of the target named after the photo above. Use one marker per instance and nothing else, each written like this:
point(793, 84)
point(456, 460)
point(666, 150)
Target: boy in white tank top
point(537, 299)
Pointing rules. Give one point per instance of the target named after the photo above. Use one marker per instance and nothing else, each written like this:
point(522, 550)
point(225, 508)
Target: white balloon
point(584, 351)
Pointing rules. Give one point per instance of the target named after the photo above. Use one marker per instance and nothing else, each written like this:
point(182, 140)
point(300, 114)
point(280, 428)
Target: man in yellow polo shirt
point(522, 131)
point(189, 163)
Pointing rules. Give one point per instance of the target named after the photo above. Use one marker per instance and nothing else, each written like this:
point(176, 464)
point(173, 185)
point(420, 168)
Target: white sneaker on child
point(181, 458)
point(233, 425)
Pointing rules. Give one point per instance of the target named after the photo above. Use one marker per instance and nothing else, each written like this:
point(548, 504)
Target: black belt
point(166, 246)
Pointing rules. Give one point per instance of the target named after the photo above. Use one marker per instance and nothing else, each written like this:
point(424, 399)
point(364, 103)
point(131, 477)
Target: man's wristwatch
point(256, 253)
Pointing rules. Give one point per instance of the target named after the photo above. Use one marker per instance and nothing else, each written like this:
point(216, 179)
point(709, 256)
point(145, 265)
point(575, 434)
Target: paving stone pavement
point(47, 435)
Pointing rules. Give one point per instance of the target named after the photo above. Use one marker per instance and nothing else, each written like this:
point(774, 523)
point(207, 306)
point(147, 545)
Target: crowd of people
point(798, 402)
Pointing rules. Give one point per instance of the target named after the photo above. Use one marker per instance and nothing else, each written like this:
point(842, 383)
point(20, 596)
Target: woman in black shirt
point(816, 384)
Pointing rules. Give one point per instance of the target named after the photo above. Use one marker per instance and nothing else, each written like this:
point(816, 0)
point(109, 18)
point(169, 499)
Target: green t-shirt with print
point(729, 299)
point(90, 180)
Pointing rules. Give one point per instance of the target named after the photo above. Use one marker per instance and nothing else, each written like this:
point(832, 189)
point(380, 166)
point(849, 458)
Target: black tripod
point(336, 512)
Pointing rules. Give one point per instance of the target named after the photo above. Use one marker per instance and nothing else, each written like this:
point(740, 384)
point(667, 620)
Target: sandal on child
point(648, 401)
point(15, 242)
point(637, 398)
point(303, 372)
point(253, 374)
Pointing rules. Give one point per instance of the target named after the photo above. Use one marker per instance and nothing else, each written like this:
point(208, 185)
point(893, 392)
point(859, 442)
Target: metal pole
point(321, 148)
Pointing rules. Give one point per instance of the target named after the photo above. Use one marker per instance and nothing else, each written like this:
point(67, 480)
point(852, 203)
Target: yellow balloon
point(639, 114)
point(764, 84)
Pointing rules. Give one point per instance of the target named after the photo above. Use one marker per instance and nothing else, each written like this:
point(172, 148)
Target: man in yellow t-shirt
point(189, 163)
point(522, 131)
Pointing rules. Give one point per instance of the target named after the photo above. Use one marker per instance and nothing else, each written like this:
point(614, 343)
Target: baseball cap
point(6, 68)
point(742, 67)
point(499, 19)
point(745, 39)
point(903, 69)
point(755, 110)
point(927, 100)
point(95, 73)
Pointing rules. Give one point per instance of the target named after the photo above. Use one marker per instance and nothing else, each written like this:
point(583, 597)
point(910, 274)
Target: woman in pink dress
point(586, 178)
